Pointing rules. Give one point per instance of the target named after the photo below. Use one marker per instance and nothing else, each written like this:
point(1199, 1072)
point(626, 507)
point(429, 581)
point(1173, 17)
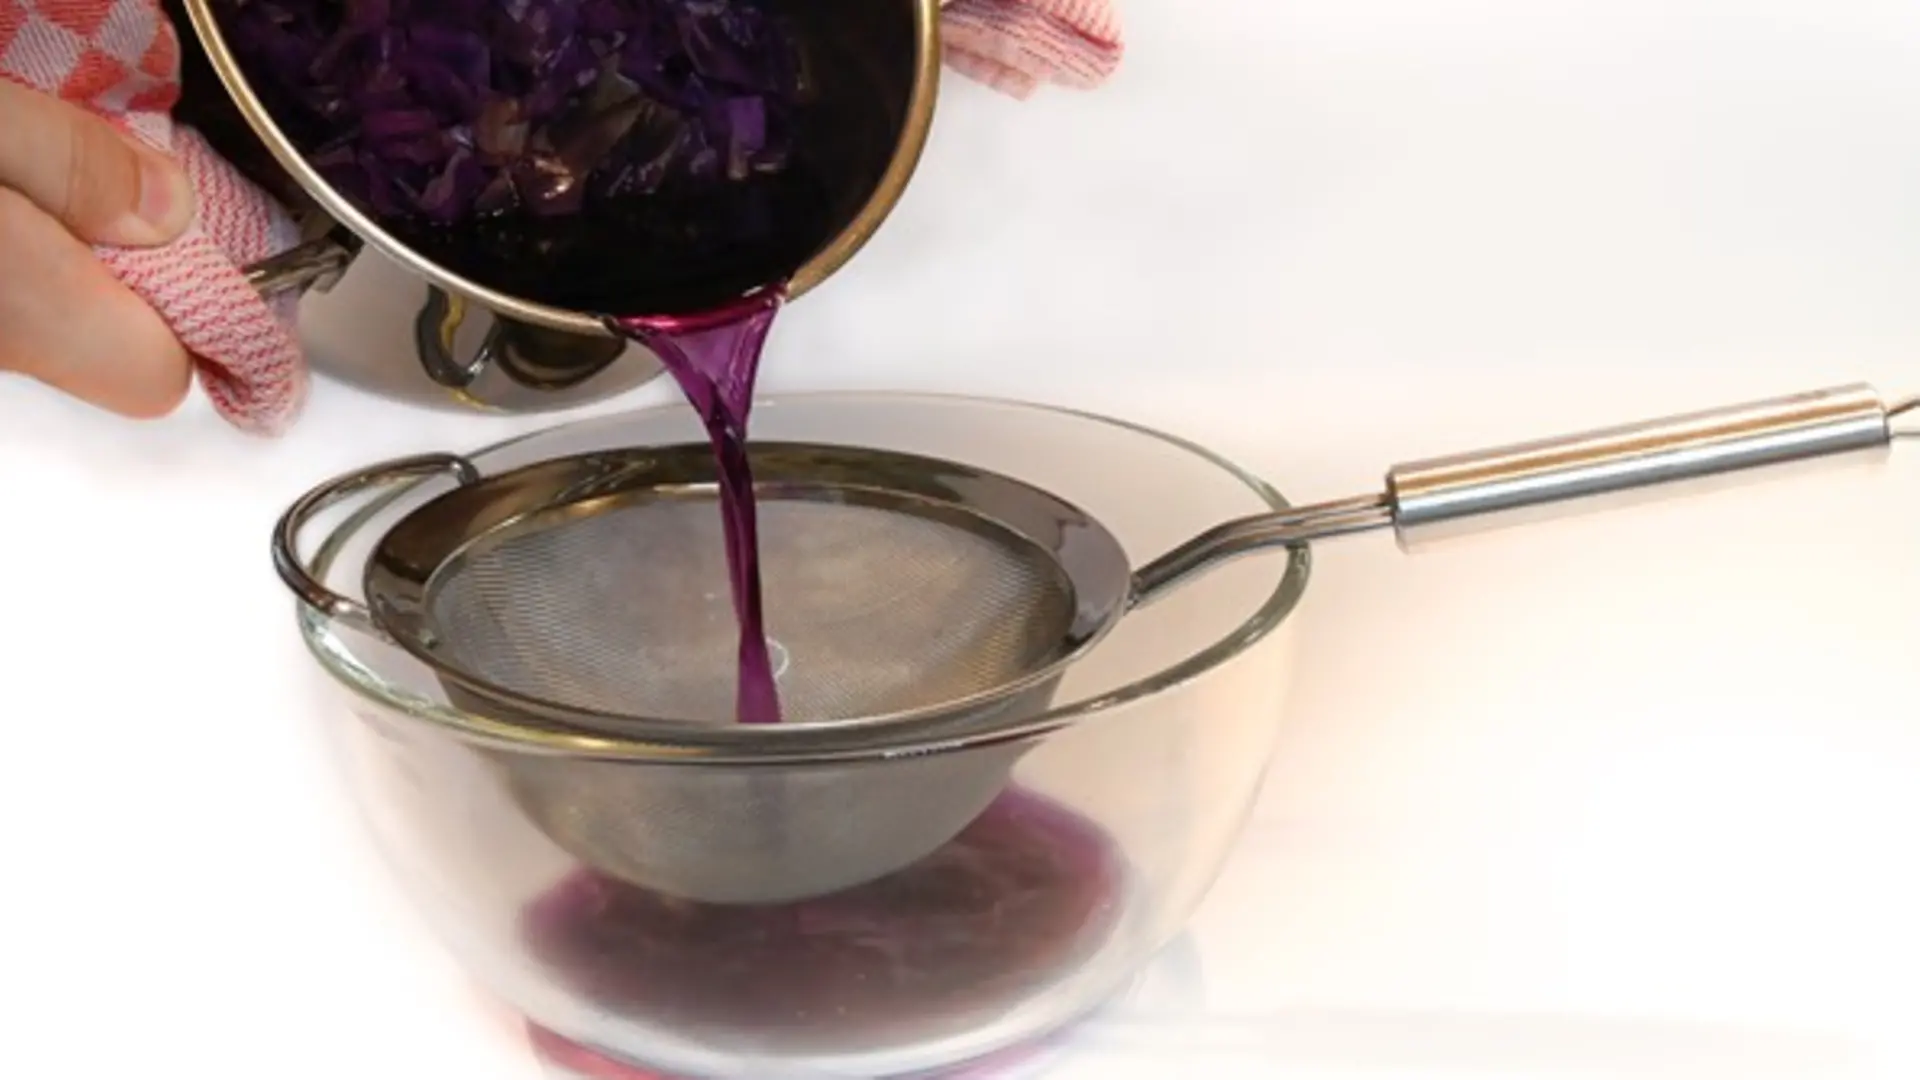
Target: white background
point(1639, 792)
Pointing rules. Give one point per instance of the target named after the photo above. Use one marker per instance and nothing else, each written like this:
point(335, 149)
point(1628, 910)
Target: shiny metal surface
point(1248, 536)
point(1489, 488)
point(286, 532)
point(518, 367)
point(316, 264)
point(790, 832)
point(1431, 497)
point(542, 662)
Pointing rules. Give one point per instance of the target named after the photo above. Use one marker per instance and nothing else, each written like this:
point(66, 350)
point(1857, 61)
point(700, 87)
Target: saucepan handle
point(286, 533)
point(1442, 496)
point(314, 263)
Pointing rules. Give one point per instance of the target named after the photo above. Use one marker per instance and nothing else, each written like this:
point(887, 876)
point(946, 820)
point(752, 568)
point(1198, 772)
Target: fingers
point(68, 180)
point(66, 321)
point(77, 168)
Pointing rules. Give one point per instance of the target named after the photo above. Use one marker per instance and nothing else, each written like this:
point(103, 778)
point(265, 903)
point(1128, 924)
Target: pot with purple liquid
point(514, 174)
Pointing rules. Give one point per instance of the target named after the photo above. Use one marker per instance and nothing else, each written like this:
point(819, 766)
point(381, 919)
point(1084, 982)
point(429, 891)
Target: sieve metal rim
point(337, 654)
point(415, 552)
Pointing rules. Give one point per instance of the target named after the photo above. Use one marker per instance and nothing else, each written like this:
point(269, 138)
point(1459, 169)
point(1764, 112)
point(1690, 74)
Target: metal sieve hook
point(286, 532)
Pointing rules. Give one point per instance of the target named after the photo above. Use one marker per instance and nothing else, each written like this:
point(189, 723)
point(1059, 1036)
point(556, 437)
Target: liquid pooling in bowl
point(1020, 899)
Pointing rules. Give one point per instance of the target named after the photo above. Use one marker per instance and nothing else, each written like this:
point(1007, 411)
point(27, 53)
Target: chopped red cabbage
point(441, 110)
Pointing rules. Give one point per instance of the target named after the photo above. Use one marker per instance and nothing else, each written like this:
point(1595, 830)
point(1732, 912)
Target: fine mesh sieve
point(627, 610)
point(592, 591)
point(589, 593)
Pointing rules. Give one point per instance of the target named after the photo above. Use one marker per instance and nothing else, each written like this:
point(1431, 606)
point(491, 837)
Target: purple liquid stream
point(1025, 894)
point(715, 357)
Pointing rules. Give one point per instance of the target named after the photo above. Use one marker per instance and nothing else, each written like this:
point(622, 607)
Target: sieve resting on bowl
point(590, 593)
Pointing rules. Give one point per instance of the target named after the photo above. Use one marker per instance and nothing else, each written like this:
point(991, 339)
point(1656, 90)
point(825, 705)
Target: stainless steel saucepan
point(879, 60)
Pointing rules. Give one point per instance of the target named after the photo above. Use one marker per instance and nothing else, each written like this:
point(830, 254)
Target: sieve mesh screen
point(624, 608)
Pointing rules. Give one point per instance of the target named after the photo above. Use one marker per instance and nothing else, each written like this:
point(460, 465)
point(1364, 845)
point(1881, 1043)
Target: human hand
point(69, 180)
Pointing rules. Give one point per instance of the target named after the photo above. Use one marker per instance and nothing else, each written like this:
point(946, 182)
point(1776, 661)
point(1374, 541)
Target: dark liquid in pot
point(702, 241)
point(382, 96)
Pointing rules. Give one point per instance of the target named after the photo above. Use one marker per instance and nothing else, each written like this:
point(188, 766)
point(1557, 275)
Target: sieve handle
point(286, 533)
point(1469, 492)
point(1488, 488)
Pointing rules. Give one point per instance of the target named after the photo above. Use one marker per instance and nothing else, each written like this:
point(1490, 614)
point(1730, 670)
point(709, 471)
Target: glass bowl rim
point(337, 659)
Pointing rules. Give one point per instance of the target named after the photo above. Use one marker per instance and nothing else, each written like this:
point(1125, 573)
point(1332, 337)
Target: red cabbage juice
point(1024, 896)
point(715, 358)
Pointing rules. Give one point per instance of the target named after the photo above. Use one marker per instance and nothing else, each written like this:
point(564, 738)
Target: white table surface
point(1630, 796)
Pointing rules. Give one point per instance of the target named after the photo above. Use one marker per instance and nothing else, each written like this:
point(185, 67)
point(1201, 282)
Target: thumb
point(101, 185)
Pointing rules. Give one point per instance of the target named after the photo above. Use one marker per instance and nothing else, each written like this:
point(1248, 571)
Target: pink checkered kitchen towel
point(121, 59)
point(1015, 46)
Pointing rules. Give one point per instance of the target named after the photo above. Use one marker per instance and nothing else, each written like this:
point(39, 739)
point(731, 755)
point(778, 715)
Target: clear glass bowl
point(1124, 803)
